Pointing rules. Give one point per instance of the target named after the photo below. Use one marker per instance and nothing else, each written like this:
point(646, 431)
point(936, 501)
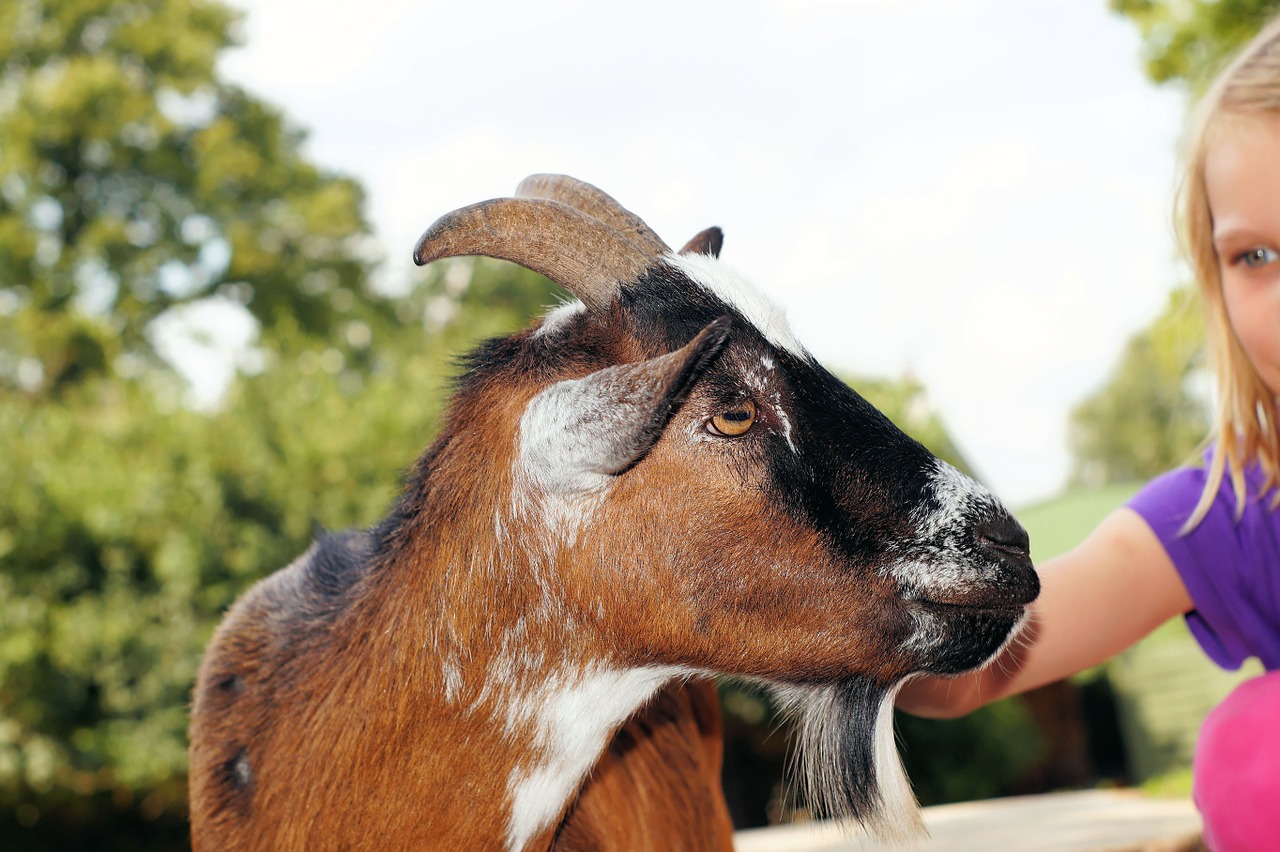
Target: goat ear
point(577, 433)
point(709, 242)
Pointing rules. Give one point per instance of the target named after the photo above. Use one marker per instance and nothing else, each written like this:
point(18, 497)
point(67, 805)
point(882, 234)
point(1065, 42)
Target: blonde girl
point(1200, 542)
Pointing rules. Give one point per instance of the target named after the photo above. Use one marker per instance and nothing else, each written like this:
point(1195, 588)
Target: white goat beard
point(847, 758)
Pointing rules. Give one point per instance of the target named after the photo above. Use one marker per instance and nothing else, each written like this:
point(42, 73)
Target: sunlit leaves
point(116, 134)
point(1190, 40)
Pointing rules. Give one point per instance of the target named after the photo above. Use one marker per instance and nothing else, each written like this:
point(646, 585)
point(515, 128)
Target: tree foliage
point(134, 180)
point(1190, 40)
point(128, 523)
point(134, 183)
point(1151, 413)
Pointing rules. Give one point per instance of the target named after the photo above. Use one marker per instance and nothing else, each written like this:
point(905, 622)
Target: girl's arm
point(1095, 601)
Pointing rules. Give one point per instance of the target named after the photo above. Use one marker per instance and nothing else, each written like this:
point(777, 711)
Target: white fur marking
point(940, 557)
point(955, 493)
point(781, 412)
point(563, 466)
point(737, 292)
point(764, 388)
point(452, 676)
point(558, 316)
point(558, 446)
point(572, 717)
point(900, 816)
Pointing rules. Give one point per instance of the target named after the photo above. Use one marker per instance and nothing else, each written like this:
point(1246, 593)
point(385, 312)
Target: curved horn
point(594, 202)
point(577, 251)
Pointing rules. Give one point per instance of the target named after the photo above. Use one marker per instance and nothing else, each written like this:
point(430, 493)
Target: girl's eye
point(734, 422)
point(1257, 257)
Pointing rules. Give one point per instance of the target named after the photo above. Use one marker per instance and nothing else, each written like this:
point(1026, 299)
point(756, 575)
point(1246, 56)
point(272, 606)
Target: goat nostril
point(1004, 541)
point(1014, 547)
point(1003, 534)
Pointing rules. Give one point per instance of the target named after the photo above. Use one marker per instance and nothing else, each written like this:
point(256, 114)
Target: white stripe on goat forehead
point(740, 294)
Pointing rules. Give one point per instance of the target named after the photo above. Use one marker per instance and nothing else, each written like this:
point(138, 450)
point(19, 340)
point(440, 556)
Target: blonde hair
point(1245, 427)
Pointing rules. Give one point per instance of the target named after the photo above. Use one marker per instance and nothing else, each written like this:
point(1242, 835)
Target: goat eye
point(734, 422)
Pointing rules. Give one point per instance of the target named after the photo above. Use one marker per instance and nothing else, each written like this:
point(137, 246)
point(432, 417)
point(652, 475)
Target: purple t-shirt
point(1231, 568)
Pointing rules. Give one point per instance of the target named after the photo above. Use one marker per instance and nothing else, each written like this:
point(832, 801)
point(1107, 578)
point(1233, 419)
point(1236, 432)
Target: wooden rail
point(1111, 820)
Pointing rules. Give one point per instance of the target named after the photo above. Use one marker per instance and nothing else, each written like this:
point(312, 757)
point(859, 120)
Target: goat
point(655, 483)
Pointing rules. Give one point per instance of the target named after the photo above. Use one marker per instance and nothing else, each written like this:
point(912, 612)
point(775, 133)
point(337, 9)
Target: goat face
point(821, 542)
point(701, 495)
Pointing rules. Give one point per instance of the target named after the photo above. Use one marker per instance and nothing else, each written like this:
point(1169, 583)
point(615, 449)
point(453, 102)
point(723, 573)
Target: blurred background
point(212, 341)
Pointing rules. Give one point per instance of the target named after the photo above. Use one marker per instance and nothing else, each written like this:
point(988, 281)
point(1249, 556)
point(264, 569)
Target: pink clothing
point(1237, 769)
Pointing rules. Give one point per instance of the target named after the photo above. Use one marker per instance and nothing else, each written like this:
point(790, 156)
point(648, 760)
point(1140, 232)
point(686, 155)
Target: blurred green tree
point(136, 185)
point(1189, 40)
point(134, 180)
point(127, 525)
point(1152, 412)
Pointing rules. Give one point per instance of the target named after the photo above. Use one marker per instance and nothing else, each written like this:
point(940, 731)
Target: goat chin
point(847, 759)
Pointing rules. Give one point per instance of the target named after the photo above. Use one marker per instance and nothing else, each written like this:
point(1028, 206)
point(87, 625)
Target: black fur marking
point(582, 345)
point(836, 757)
point(312, 592)
point(667, 310)
point(231, 684)
point(415, 495)
point(337, 563)
point(974, 637)
point(236, 771)
point(855, 470)
point(854, 715)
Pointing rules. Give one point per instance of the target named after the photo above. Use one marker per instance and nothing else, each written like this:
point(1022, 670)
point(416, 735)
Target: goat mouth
point(956, 637)
point(997, 606)
point(944, 607)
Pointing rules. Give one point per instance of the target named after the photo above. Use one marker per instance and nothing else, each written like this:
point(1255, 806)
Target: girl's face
point(1242, 182)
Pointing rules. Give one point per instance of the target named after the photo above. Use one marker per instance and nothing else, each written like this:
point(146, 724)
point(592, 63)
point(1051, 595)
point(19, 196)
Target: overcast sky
point(973, 191)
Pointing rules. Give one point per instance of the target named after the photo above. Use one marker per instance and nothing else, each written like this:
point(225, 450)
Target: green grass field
point(1060, 524)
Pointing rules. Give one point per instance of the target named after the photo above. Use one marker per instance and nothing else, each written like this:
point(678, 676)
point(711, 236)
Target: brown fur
point(345, 701)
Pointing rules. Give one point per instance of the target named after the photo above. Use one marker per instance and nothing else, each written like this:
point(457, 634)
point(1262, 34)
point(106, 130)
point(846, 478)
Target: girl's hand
point(1095, 601)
